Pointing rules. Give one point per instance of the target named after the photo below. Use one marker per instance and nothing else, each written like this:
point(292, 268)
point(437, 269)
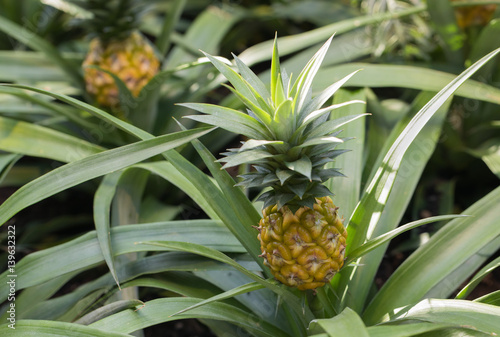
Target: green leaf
point(114, 121)
point(91, 167)
point(489, 152)
point(206, 33)
point(84, 252)
point(350, 163)
point(218, 256)
point(283, 122)
point(170, 173)
point(252, 79)
point(478, 316)
point(366, 216)
point(388, 75)
point(227, 294)
point(405, 329)
point(35, 42)
point(172, 18)
point(228, 119)
point(39, 328)
point(244, 157)
point(26, 66)
point(302, 87)
point(491, 298)
point(442, 254)
point(103, 198)
point(235, 79)
point(39, 141)
point(443, 18)
point(238, 223)
point(480, 275)
point(320, 141)
point(277, 92)
point(109, 310)
point(483, 44)
point(302, 166)
point(263, 116)
point(347, 323)
point(253, 143)
point(318, 101)
point(318, 113)
point(374, 243)
point(293, 43)
point(160, 310)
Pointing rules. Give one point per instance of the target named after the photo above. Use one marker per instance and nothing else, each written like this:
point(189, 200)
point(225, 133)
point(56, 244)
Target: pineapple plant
point(117, 46)
point(290, 140)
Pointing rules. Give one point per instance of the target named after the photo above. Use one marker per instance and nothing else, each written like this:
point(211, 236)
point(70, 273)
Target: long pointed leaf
point(91, 167)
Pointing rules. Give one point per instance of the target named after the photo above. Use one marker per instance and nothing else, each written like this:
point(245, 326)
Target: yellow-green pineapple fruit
point(304, 249)
point(133, 60)
point(117, 46)
point(291, 138)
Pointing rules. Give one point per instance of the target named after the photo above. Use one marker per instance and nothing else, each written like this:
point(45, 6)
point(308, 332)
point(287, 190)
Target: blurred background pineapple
point(118, 47)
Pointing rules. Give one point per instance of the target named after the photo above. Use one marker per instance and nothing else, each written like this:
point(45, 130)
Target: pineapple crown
point(110, 19)
point(291, 137)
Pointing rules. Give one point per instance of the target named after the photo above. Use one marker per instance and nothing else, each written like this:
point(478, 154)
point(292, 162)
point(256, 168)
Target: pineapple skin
point(305, 249)
point(133, 60)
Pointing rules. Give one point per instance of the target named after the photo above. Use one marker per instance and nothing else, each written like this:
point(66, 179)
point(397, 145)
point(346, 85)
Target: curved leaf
point(84, 251)
point(91, 167)
point(39, 328)
point(160, 310)
point(39, 141)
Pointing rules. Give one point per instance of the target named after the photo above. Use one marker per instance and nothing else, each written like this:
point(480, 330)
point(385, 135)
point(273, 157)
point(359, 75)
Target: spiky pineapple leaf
point(283, 120)
point(329, 126)
point(235, 79)
point(320, 141)
point(252, 79)
point(284, 175)
point(253, 143)
point(244, 157)
point(317, 102)
point(302, 87)
point(226, 124)
point(302, 165)
point(234, 117)
point(277, 92)
point(262, 115)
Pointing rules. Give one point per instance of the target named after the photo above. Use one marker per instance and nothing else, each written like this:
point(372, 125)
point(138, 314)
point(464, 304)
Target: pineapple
point(290, 140)
point(118, 47)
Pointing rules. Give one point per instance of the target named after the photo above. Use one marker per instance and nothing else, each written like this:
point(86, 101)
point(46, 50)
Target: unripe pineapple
point(290, 140)
point(304, 249)
point(118, 47)
point(133, 60)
